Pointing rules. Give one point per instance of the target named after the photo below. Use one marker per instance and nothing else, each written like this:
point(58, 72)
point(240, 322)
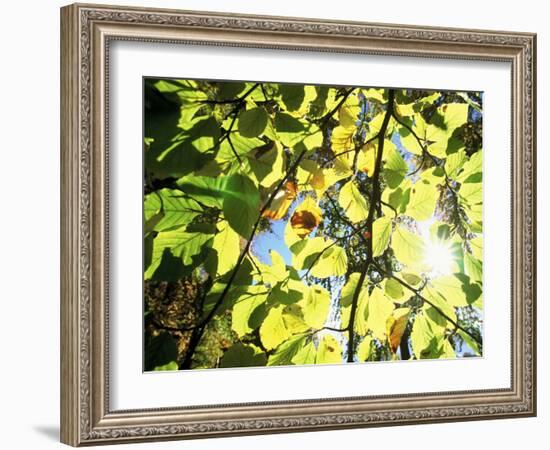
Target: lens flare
point(439, 258)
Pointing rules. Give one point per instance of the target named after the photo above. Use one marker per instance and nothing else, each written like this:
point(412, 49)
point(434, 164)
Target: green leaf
point(472, 168)
point(267, 165)
point(446, 351)
point(440, 303)
point(422, 201)
point(438, 322)
point(185, 90)
point(476, 245)
point(293, 318)
point(395, 291)
point(451, 289)
point(240, 145)
point(346, 299)
point(287, 351)
point(395, 167)
point(346, 295)
point(422, 336)
point(295, 97)
point(289, 129)
point(316, 306)
point(342, 140)
point(353, 203)
point(409, 248)
point(381, 233)
point(273, 330)
point(204, 134)
point(349, 111)
point(243, 355)
point(472, 193)
point(152, 211)
point(227, 245)
point(229, 90)
point(364, 350)
point(176, 209)
point(206, 190)
point(306, 355)
point(252, 122)
point(329, 351)
point(288, 292)
point(292, 132)
point(379, 310)
point(161, 353)
point(454, 162)
point(241, 203)
point(470, 342)
point(244, 307)
point(411, 278)
point(332, 262)
point(178, 243)
point(306, 251)
point(409, 141)
point(454, 116)
point(471, 290)
point(175, 151)
point(473, 268)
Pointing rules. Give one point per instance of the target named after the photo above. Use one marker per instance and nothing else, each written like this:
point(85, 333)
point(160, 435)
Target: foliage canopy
point(299, 224)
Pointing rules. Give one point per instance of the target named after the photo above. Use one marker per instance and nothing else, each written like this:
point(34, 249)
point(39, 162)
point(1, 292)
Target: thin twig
point(375, 197)
point(424, 299)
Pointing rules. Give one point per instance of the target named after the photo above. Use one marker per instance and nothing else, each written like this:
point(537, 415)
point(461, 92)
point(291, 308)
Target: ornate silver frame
point(86, 31)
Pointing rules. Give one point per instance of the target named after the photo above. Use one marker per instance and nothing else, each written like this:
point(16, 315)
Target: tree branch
point(338, 330)
point(424, 299)
point(232, 101)
point(375, 197)
point(198, 333)
point(425, 152)
point(238, 105)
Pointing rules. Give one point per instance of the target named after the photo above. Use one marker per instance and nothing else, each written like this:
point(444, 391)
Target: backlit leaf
point(396, 325)
point(244, 307)
point(180, 244)
point(287, 351)
point(379, 309)
point(329, 351)
point(316, 306)
point(227, 245)
point(408, 247)
point(241, 203)
point(381, 233)
point(422, 201)
point(273, 330)
point(364, 350)
point(353, 202)
point(278, 208)
point(306, 217)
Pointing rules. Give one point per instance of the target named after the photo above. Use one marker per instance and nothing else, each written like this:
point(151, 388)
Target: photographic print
point(295, 224)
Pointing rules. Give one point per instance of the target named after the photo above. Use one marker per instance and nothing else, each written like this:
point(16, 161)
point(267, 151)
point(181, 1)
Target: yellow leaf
point(364, 349)
point(342, 139)
point(353, 203)
point(329, 351)
point(349, 111)
point(379, 309)
point(366, 159)
point(396, 325)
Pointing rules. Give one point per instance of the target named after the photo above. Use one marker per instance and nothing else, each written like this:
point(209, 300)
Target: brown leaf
point(306, 218)
point(282, 201)
point(396, 327)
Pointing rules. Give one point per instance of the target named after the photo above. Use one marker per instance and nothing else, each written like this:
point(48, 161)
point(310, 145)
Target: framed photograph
point(277, 224)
